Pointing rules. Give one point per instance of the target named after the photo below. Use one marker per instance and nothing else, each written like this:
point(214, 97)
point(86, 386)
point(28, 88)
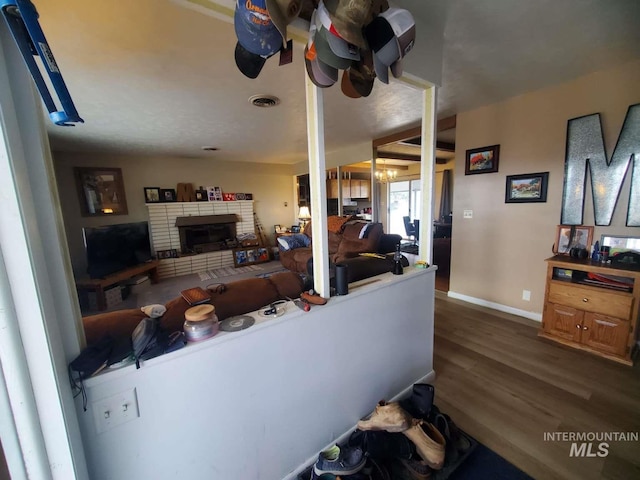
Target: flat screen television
point(116, 247)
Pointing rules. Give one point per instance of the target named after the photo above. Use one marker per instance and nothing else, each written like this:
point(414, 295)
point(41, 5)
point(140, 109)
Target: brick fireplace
point(165, 234)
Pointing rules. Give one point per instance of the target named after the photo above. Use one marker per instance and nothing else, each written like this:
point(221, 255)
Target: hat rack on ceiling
point(22, 19)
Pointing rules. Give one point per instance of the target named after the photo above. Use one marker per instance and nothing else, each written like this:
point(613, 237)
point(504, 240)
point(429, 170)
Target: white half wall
point(261, 402)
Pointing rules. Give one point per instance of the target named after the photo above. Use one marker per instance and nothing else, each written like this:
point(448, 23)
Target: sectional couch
point(348, 238)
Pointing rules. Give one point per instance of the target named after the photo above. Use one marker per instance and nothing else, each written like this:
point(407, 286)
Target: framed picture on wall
point(101, 191)
point(527, 188)
point(482, 160)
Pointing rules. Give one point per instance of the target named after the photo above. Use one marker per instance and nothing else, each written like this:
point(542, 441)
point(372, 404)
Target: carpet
point(227, 272)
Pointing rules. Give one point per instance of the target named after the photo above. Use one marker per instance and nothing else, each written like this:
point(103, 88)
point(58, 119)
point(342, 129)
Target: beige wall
point(271, 186)
point(501, 250)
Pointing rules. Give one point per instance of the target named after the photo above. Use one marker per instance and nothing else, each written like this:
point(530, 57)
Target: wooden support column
point(428, 173)
point(317, 186)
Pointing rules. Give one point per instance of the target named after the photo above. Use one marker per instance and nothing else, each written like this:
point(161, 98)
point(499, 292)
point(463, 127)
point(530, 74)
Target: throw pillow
point(296, 240)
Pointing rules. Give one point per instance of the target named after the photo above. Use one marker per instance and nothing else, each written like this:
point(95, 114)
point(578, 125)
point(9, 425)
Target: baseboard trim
point(496, 306)
point(428, 378)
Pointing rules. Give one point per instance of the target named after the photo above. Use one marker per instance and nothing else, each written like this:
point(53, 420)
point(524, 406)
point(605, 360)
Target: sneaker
point(337, 461)
point(387, 416)
point(429, 442)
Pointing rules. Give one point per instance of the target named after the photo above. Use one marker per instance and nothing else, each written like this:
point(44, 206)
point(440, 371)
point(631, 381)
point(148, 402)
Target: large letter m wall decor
point(585, 149)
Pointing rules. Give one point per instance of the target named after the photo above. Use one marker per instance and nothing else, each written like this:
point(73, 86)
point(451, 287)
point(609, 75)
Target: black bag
point(90, 361)
point(93, 358)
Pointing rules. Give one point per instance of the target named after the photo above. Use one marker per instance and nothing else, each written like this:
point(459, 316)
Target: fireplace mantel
point(192, 221)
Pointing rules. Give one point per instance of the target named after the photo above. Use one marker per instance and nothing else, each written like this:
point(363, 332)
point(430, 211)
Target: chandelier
point(385, 175)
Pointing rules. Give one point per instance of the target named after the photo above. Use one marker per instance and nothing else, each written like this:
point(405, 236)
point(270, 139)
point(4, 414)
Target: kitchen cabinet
point(592, 306)
point(351, 188)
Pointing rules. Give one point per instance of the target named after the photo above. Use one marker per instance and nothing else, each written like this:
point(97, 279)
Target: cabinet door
point(365, 186)
point(604, 333)
point(355, 189)
point(563, 322)
point(346, 188)
point(332, 188)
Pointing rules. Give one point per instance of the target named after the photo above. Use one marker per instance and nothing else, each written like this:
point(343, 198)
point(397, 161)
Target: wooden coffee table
point(99, 285)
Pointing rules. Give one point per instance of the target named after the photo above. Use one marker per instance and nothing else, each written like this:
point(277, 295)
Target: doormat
point(227, 272)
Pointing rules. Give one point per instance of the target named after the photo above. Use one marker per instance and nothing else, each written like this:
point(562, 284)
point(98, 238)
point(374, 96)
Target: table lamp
point(304, 215)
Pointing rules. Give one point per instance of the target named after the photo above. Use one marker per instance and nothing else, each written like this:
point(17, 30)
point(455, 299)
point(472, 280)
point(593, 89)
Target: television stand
point(99, 285)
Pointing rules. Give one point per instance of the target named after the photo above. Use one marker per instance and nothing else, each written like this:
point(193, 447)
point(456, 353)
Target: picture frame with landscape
point(526, 188)
point(482, 160)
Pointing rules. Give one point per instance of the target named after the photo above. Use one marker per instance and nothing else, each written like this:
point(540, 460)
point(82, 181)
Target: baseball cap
point(338, 45)
point(391, 35)
point(347, 87)
point(362, 74)
point(254, 28)
point(282, 13)
point(248, 63)
point(349, 18)
point(321, 74)
point(326, 53)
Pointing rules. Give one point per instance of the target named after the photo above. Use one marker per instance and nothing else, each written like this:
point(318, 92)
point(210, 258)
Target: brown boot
point(428, 441)
point(387, 416)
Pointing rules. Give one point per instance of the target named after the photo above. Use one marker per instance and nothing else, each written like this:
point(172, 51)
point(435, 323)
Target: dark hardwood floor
point(506, 387)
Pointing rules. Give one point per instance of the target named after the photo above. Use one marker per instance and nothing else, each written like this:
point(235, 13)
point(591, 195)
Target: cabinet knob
point(585, 300)
point(585, 328)
point(578, 326)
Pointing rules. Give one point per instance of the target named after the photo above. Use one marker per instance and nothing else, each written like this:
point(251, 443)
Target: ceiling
point(153, 78)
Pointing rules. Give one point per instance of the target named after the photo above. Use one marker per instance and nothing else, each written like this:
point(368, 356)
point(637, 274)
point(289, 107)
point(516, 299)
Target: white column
point(318, 187)
point(428, 172)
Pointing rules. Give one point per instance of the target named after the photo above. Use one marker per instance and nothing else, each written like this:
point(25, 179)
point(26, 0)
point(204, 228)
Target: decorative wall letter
point(585, 148)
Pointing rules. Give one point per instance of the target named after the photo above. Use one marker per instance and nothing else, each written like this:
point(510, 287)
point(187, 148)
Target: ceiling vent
point(264, 101)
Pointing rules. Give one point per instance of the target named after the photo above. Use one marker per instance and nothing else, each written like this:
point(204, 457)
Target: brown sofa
point(234, 298)
point(344, 243)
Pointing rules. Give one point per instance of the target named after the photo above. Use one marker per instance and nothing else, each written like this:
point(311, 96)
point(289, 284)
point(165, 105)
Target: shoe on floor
point(387, 416)
point(429, 443)
point(340, 461)
point(416, 469)
point(382, 445)
point(419, 404)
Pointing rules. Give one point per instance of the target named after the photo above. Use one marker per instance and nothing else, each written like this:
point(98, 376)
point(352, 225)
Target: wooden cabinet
point(591, 306)
point(354, 188)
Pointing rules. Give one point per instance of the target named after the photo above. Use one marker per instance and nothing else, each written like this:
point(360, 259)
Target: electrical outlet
point(526, 295)
point(113, 411)
point(467, 214)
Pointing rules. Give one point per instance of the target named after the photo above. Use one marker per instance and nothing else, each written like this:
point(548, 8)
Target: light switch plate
point(115, 410)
